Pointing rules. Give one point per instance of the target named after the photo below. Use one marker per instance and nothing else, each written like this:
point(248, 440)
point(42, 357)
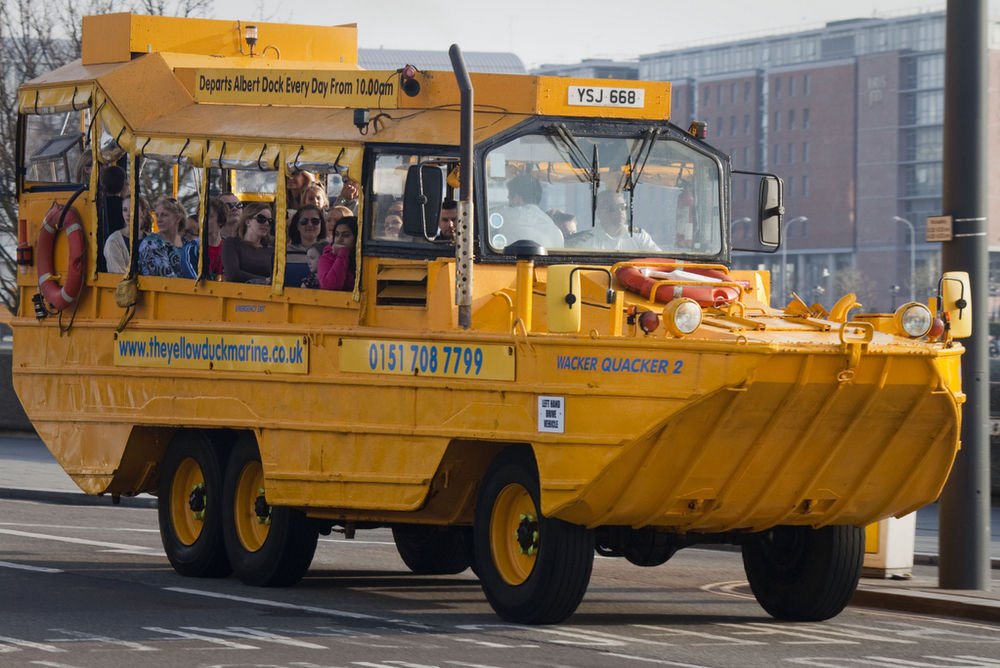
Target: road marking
point(228, 644)
point(75, 527)
point(25, 567)
point(728, 589)
point(80, 636)
point(52, 664)
point(31, 645)
point(661, 662)
point(254, 634)
point(111, 547)
point(331, 612)
point(348, 541)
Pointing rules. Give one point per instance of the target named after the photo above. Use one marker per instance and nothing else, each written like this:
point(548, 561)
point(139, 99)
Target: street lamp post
point(913, 250)
point(784, 253)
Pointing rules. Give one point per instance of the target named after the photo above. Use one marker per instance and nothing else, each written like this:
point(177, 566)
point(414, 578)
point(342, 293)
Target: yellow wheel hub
point(514, 534)
point(188, 499)
point(251, 512)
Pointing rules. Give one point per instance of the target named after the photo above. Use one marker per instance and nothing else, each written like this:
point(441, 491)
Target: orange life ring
point(61, 296)
point(642, 281)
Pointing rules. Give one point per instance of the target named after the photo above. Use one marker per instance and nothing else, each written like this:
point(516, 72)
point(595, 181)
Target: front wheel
point(533, 569)
point(268, 547)
point(804, 574)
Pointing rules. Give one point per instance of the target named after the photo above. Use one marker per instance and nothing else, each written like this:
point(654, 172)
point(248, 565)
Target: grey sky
point(560, 31)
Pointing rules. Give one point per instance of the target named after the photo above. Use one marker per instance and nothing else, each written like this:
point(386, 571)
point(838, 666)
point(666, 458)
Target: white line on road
point(254, 634)
point(116, 547)
point(330, 612)
point(228, 644)
point(662, 662)
point(25, 567)
point(75, 527)
point(31, 645)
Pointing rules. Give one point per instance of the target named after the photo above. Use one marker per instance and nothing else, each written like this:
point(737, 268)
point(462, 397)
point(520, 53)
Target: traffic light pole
point(964, 538)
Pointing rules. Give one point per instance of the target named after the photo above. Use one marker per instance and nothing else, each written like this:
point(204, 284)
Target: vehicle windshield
point(576, 194)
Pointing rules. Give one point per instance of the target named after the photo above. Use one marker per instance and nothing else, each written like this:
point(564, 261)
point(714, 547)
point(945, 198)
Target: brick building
point(850, 115)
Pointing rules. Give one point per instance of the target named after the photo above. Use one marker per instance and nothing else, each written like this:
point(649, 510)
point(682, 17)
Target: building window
point(806, 84)
point(791, 82)
point(791, 119)
point(733, 88)
point(777, 87)
point(805, 151)
point(805, 185)
point(777, 120)
point(718, 95)
point(805, 119)
point(791, 153)
point(746, 124)
point(722, 128)
point(732, 126)
point(705, 96)
point(777, 155)
point(746, 160)
point(746, 91)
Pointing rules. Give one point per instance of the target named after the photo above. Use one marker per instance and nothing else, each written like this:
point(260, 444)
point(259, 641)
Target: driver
point(612, 232)
point(523, 218)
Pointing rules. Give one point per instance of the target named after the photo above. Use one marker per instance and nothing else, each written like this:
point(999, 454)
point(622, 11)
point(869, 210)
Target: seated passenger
point(164, 253)
point(612, 233)
point(315, 195)
point(113, 183)
point(218, 217)
point(312, 259)
point(392, 224)
point(447, 220)
point(192, 229)
point(295, 187)
point(523, 218)
point(338, 265)
point(349, 194)
point(234, 209)
point(116, 247)
point(303, 233)
point(248, 255)
point(332, 216)
point(565, 221)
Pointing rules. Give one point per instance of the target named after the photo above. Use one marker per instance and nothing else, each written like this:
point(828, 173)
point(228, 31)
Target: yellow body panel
point(368, 407)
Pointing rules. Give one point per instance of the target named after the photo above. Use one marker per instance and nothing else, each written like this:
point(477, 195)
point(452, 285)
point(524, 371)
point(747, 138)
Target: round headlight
point(682, 316)
point(913, 319)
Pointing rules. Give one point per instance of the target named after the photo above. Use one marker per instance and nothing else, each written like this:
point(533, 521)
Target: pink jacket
point(334, 269)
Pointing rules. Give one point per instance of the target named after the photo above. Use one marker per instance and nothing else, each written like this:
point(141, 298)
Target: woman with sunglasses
point(303, 231)
point(337, 265)
point(248, 255)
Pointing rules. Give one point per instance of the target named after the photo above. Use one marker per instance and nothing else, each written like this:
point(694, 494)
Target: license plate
point(603, 96)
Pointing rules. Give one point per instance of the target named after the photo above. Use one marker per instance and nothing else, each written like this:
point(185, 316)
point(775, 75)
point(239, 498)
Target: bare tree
point(37, 37)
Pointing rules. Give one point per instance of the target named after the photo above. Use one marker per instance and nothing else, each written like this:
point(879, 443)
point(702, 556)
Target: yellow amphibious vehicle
point(512, 391)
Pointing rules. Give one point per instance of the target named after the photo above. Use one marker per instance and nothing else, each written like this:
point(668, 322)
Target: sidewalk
point(28, 472)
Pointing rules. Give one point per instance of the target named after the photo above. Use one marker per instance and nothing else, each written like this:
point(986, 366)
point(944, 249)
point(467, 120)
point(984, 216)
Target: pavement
point(29, 472)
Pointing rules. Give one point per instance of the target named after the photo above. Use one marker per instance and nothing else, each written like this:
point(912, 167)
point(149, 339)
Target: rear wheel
point(268, 547)
point(190, 507)
point(431, 550)
point(804, 574)
point(533, 569)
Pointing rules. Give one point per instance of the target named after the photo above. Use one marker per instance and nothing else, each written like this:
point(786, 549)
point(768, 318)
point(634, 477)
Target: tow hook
point(526, 534)
point(196, 501)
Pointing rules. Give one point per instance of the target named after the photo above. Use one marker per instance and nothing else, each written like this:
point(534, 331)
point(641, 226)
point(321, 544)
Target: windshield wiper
point(633, 169)
point(571, 150)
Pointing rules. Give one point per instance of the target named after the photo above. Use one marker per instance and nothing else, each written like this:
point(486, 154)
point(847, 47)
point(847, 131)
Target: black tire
point(190, 507)
point(803, 574)
point(557, 561)
point(280, 554)
point(431, 550)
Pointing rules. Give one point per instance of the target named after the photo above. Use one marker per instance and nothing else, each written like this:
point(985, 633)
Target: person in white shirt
point(612, 231)
point(523, 218)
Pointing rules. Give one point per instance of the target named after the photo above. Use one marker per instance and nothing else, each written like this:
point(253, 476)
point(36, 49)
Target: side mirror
point(422, 197)
point(956, 301)
point(770, 211)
